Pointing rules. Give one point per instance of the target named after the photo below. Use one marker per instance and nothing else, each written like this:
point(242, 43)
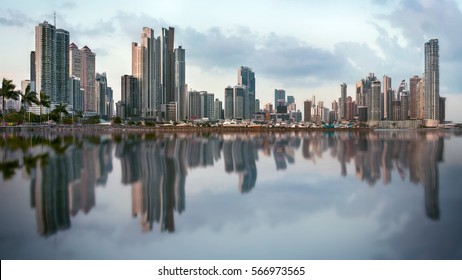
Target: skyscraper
point(51, 63)
point(239, 101)
point(307, 111)
point(375, 101)
point(180, 83)
point(131, 99)
point(279, 96)
point(387, 103)
point(246, 77)
point(144, 69)
point(229, 103)
point(87, 80)
point(45, 59)
point(62, 68)
point(343, 96)
point(155, 64)
point(82, 65)
point(432, 80)
point(32, 71)
point(413, 97)
point(101, 95)
point(166, 61)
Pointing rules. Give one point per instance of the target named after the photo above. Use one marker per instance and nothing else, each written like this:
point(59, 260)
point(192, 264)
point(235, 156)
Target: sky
point(305, 47)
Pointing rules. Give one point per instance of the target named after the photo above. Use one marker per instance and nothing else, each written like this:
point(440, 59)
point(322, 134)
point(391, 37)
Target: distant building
point(51, 63)
point(131, 99)
point(362, 113)
point(229, 103)
point(387, 98)
point(405, 105)
point(181, 89)
point(414, 97)
point(442, 109)
point(432, 80)
point(218, 110)
point(342, 103)
point(397, 110)
point(279, 94)
point(246, 77)
point(375, 101)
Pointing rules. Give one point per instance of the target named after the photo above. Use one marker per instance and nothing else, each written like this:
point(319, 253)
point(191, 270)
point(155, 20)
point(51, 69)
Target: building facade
point(432, 80)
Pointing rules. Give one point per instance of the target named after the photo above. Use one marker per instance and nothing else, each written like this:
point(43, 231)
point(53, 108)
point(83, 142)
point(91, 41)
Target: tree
point(60, 109)
point(44, 101)
point(8, 92)
point(117, 120)
point(29, 98)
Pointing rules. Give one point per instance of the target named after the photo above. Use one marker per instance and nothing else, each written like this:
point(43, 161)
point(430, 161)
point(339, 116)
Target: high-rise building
point(402, 87)
point(130, 97)
point(229, 103)
point(76, 95)
point(290, 99)
point(45, 59)
point(279, 96)
point(239, 93)
point(144, 70)
point(160, 70)
point(32, 71)
point(404, 105)
point(269, 108)
point(194, 105)
point(62, 67)
point(387, 103)
point(307, 111)
point(82, 65)
point(101, 95)
point(181, 90)
point(343, 97)
point(166, 61)
point(257, 105)
point(413, 97)
point(75, 61)
point(110, 102)
point(375, 101)
point(397, 110)
point(87, 80)
point(432, 80)
point(350, 109)
point(218, 109)
point(246, 77)
point(421, 93)
point(442, 109)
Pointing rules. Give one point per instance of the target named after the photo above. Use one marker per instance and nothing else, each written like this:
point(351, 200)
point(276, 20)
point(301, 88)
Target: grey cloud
point(271, 55)
point(419, 21)
point(68, 5)
point(15, 18)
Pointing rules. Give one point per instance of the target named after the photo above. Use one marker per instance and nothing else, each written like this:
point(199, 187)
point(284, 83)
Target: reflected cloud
point(65, 170)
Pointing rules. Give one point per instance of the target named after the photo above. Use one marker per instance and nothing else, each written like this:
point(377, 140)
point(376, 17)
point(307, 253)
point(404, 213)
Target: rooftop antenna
point(54, 18)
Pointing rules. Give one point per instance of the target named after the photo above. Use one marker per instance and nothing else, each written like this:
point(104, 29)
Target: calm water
point(343, 195)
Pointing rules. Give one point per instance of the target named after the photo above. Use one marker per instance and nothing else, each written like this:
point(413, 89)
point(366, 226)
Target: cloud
point(68, 5)
point(15, 18)
point(271, 55)
point(419, 21)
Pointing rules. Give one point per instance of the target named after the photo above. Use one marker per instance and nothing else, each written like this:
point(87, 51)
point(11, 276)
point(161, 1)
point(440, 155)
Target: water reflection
point(65, 170)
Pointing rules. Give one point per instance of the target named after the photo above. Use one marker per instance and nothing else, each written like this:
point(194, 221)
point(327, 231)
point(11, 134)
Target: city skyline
point(303, 61)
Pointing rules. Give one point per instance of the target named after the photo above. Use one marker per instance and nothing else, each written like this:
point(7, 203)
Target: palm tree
point(8, 92)
point(44, 101)
point(61, 108)
point(29, 98)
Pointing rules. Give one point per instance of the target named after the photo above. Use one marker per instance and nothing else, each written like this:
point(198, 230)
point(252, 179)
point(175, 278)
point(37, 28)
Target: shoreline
point(119, 129)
